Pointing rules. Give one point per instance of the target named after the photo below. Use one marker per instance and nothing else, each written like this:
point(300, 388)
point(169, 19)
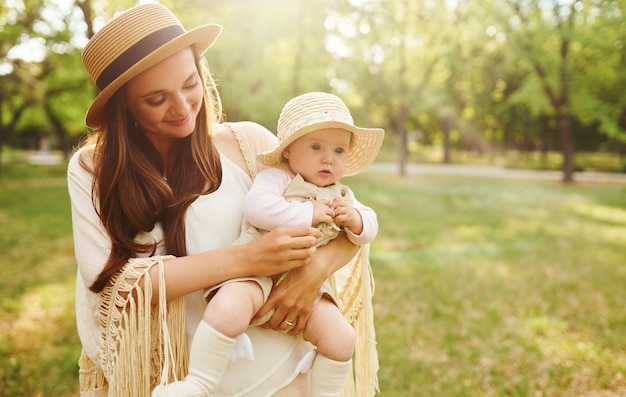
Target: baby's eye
point(315, 146)
point(340, 150)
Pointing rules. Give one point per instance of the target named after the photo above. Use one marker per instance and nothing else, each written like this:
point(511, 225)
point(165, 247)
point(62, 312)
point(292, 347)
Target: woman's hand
point(281, 250)
point(294, 297)
point(274, 253)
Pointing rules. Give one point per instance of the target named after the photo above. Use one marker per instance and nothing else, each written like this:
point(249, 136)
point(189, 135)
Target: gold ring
point(289, 323)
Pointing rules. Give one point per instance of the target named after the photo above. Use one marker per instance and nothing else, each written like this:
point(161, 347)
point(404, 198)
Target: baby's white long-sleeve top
point(266, 208)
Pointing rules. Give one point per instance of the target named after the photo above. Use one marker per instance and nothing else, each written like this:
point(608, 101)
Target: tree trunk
point(567, 146)
point(404, 142)
point(1, 147)
point(446, 126)
point(59, 130)
point(5, 130)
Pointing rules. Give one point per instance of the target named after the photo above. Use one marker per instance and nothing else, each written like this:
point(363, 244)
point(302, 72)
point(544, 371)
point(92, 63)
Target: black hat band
point(136, 52)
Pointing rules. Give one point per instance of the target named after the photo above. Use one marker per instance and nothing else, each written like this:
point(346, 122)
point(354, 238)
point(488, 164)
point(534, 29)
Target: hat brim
point(363, 150)
point(201, 37)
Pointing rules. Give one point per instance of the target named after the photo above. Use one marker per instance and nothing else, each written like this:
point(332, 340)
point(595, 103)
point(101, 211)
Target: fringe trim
point(142, 344)
point(90, 377)
point(355, 301)
point(145, 345)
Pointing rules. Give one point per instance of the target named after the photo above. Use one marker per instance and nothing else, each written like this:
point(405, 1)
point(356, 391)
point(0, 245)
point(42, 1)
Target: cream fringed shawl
point(141, 342)
point(355, 290)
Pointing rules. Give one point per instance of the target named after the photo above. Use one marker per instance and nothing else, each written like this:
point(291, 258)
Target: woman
point(156, 167)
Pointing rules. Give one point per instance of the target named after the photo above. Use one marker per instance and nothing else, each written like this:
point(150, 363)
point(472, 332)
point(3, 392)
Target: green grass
point(38, 343)
point(491, 287)
point(484, 286)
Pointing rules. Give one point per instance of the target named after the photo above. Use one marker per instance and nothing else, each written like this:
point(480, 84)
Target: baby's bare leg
point(330, 332)
point(334, 338)
point(232, 307)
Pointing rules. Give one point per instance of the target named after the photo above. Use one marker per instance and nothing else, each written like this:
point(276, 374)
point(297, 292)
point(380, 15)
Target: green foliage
point(268, 52)
point(530, 94)
point(583, 78)
point(408, 66)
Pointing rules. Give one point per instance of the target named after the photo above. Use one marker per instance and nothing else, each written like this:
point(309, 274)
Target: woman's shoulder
point(242, 141)
point(82, 159)
point(80, 170)
point(253, 134)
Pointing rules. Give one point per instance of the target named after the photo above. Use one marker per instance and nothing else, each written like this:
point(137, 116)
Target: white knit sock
point(208, 358)
point(328, 376)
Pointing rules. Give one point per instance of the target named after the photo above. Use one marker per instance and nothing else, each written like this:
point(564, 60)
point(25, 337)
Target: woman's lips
point(180, 122)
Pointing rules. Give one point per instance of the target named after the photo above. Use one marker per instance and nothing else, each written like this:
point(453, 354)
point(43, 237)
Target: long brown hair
point(129, 191)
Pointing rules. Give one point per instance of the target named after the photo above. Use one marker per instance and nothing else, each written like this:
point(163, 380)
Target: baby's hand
point(322, 212)
point(347, 215)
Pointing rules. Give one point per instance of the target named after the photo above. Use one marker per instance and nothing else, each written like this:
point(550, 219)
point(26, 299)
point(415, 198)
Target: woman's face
point(165, 99)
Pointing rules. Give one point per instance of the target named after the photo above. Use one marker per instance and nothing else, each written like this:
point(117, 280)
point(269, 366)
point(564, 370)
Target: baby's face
point(320, 156)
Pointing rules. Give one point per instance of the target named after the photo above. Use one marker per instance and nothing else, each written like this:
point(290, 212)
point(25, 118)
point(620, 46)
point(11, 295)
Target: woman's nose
point(180, 105)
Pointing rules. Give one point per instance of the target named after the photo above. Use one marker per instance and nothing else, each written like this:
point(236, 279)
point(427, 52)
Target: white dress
point(214, 221)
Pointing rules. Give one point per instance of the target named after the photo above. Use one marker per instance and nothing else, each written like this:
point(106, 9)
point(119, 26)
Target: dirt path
point(498, 172)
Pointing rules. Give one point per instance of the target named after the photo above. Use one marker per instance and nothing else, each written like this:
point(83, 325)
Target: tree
point(17, 77)
point(455, 73)
point(35, 85)
point(268, 52)
point(602, 103)
point(389, 56)
point(549, 39)
point(66, 95)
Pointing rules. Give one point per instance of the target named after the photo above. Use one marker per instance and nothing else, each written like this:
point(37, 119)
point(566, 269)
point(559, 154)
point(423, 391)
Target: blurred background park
point(485, 286)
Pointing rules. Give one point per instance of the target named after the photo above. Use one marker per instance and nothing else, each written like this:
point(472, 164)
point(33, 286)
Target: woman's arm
point(279, 251)
point(295, 295)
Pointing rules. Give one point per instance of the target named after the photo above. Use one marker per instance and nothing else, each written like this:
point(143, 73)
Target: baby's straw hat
point(132, 42)
point(319, 110)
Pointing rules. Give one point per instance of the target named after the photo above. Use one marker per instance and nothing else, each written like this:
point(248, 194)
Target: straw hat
point(319, 110)
point(132, 42)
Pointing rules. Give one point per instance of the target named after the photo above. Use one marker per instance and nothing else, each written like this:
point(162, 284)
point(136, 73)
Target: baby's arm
point(266, 208)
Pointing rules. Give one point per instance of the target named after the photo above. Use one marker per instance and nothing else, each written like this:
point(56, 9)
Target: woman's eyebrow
point(155, 92)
